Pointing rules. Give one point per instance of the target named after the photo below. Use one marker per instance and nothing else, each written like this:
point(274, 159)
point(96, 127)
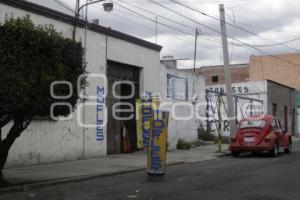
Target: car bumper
point(250, 148)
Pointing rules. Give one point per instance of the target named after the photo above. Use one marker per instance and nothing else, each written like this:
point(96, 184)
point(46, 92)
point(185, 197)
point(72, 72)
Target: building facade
point(281, 68)
point(214, 75)
point(113, 60)
point(252, 98)
point(177, 97)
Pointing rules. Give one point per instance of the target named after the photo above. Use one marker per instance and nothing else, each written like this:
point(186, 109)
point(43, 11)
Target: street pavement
point(247, 177)
point(103, 166)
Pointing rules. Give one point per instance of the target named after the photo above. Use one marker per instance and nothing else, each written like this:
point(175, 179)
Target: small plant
point(205, 135)
point(197, 143)
point(224, 140)
point(183, 145)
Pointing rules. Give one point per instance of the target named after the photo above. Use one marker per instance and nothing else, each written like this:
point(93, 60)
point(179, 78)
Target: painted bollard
point(148, 104)
point(156, 164)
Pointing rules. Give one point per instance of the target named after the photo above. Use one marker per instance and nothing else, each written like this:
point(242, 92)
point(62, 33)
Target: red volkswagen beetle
point(261, 134)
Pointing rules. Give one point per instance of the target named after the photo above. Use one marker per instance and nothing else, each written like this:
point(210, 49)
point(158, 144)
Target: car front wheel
point(289, 148)
point(274, 152)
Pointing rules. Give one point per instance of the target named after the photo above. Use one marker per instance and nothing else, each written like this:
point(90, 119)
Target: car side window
point(274, 124)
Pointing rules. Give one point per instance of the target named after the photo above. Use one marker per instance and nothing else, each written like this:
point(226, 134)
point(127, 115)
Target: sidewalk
point(54, 173)
point(103, 166)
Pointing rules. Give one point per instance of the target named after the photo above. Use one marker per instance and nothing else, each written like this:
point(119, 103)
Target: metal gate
point(120, 72)
point(216, 110)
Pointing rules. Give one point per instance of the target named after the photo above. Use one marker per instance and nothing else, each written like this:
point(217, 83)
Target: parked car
point(258, 134)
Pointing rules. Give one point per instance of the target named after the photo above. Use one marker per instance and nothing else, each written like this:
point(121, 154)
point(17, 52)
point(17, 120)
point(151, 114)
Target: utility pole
point(156, 29)
point(195, 58)
point(227, 72)
point(76, 19)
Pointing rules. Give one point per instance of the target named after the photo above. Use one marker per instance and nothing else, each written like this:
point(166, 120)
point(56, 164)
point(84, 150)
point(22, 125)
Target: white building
point(178, 98)
point(119, 56)
point(252, 98)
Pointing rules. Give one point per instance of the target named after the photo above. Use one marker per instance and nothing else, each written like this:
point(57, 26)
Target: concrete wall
point(253, 89)
point(282, 96)
point(184, 129)
point(268, 91)
point(53, 141)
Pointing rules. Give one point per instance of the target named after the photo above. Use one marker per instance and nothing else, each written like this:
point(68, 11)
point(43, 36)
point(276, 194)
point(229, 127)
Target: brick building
point(214, 75)
point(279, 80)
point(284, 69)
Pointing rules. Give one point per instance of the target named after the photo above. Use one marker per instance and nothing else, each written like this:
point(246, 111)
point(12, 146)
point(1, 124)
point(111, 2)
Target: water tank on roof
point(169, 61)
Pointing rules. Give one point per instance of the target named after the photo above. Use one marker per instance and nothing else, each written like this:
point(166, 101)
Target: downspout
point(106, 52)
point(85, 63)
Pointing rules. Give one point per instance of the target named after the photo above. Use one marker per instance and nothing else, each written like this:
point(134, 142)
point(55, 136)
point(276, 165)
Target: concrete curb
point(34, 185)
point(224, 154)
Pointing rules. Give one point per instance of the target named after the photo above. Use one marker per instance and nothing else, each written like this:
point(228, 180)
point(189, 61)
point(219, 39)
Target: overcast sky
point(271, 21)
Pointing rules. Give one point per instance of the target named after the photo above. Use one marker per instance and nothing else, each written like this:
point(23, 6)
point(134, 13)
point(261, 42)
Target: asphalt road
point(248, 178)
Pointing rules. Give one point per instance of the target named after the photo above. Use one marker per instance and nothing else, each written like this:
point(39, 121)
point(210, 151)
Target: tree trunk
point(20, 124)
point(3, 158)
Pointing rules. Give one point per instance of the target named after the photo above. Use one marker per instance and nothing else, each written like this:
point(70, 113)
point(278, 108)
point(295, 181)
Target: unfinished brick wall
point(239, 73)
point(270, 68)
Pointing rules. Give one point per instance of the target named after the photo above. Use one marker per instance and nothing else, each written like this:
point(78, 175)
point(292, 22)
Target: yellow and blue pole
point(156, 165)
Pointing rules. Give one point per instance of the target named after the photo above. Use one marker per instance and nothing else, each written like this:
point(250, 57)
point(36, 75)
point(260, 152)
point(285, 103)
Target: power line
point(233, 25)
point(155, 14)
point(136, 14)
point(64, 5)
point(273, 56)
point(265, 28)
point(245, 44)
point(277, 44)
point(201, 24)
point(150, 19)
point(182, 15)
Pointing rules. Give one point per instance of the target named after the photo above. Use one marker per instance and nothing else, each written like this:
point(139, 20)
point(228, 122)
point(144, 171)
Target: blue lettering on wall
point(99, 110)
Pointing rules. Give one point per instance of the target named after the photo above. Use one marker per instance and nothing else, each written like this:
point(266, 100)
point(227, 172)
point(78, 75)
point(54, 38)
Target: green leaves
point(31, 58)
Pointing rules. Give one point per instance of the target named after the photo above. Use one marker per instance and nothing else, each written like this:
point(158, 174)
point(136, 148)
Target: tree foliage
point(31, 58)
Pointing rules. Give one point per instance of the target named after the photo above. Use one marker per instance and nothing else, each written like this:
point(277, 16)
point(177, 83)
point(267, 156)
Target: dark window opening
point(274, 109)
point(215, 79)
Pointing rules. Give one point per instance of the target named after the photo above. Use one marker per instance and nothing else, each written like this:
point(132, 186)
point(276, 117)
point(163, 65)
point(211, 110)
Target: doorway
point(119, 75)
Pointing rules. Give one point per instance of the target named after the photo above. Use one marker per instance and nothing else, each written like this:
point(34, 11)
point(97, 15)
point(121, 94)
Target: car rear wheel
point(289, 148)
point(274, 152)
point(256, 153)
point(235, 154)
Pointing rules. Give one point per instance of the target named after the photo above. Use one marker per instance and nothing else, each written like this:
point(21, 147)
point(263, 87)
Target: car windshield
point(252, 124)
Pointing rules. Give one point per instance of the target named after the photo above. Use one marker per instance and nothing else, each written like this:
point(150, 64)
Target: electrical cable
point(244, 44)
point(64, 5)
point(233, 25)
point(155, 14)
